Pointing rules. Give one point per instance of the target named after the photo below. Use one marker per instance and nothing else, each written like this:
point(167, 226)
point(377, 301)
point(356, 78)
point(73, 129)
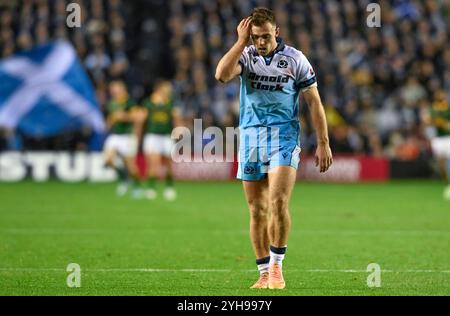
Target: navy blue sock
point(263, 264)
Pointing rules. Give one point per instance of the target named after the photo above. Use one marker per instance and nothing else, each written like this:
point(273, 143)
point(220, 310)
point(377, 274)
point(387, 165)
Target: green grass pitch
point(199, 244)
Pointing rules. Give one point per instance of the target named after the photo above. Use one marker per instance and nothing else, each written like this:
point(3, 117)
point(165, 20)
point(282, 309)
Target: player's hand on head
point(243, 29)
point(324, 157)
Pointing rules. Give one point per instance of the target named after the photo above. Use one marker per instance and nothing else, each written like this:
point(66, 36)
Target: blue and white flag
point(45, 91)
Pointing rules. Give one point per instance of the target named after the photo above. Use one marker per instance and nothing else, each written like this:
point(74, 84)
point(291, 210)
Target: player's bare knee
point(258, 211)
point(259, 214)
point(279, 204)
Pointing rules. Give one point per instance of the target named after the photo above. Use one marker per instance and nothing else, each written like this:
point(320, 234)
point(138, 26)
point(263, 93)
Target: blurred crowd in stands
point(377, 84)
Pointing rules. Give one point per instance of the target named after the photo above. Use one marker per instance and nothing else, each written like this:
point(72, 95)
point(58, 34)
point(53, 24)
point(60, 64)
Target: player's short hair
point(261, 15)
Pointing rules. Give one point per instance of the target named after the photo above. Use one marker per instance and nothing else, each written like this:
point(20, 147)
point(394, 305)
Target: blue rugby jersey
point(270, 87)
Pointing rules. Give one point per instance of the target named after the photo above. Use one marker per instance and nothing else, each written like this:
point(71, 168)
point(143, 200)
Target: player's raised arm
point(228, 66)
point(324, 157)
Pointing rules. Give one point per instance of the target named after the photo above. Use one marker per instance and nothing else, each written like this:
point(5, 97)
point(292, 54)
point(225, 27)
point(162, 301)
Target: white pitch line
point(117, 270)
point(158, 270)
point(216, 270)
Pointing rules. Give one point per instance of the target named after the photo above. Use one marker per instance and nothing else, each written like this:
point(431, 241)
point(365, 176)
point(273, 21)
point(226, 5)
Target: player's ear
point(277, 31)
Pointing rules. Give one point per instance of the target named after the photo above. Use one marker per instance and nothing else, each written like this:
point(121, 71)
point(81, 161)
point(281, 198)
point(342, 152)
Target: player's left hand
point(244, 28)
point(324, 157)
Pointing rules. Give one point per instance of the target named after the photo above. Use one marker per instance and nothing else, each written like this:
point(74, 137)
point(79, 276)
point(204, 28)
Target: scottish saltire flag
point(45, 91)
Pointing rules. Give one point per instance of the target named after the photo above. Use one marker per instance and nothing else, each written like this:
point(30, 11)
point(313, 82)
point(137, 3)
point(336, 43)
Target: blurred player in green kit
point(160, 118)
point(121, 146)
point(439, 117)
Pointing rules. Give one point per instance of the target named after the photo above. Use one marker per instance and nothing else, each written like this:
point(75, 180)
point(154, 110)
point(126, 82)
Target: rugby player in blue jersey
point(272, 76)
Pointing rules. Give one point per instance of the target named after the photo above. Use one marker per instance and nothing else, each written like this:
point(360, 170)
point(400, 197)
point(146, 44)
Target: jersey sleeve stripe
point(307, 83)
